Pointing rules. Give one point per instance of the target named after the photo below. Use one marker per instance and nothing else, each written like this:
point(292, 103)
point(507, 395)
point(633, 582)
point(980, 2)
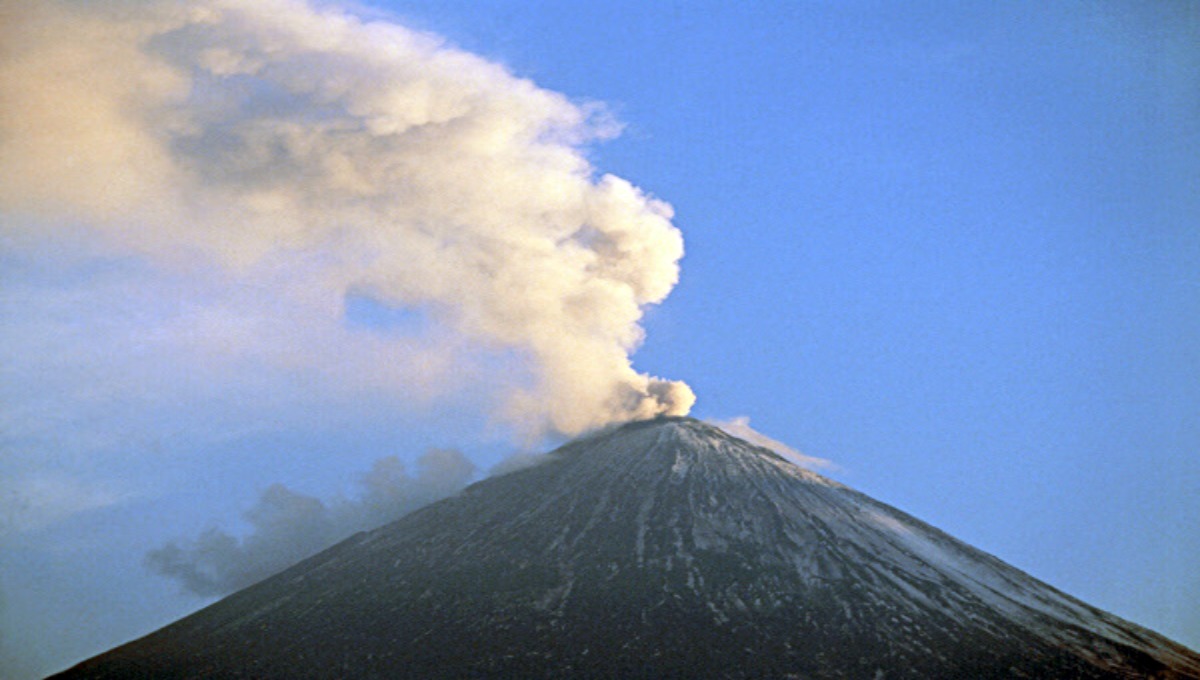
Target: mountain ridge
point(663, 548)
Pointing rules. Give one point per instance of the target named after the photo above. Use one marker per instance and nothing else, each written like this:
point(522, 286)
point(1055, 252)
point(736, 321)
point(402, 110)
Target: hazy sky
point(264, 268)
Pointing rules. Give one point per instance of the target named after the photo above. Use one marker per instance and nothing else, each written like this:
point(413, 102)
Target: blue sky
point(952, 247)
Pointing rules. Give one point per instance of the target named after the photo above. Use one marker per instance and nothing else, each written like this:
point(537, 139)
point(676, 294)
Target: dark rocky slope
point(659, 549)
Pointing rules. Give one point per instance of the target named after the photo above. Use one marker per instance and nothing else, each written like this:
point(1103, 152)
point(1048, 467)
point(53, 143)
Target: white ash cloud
point(287, 526)
point(304, 153)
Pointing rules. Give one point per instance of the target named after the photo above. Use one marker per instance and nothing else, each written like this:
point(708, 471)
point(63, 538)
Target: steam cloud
point(308, 154)
point(288, 526)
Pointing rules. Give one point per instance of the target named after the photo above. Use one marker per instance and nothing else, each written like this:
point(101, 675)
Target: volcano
point(659, 549)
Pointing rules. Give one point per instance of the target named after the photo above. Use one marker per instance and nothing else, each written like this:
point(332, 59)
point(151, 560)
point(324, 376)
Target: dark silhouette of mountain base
point(660, 549)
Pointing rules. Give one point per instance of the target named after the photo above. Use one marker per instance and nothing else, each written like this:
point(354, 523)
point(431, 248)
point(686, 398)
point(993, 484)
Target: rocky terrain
point(660, 549)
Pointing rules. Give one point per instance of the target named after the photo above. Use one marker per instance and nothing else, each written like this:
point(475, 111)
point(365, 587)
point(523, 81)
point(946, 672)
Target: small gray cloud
point(288, 526)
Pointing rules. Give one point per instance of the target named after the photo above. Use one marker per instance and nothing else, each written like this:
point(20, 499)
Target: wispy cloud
point(740, 427)
point(34, 501)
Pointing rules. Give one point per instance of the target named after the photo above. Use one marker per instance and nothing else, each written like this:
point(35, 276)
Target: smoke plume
point(307, 154)
point(287, 526)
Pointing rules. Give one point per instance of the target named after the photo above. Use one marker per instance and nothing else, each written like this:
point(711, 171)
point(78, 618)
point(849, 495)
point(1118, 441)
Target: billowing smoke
point(306, 154)
point(287, 526)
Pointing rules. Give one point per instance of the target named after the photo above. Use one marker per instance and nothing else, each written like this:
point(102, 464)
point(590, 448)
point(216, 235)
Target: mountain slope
point(659, 549)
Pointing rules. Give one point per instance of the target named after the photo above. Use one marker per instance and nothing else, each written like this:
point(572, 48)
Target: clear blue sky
point(952, 247)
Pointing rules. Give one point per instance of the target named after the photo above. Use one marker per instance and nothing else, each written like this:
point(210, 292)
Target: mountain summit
point(664, 548)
